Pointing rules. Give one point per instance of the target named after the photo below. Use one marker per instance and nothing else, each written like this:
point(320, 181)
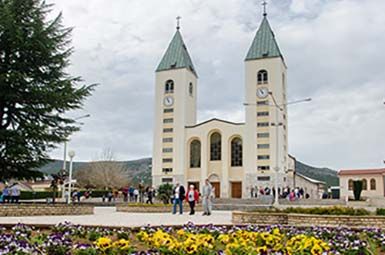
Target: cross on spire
point(264, 8)
point(178, 18)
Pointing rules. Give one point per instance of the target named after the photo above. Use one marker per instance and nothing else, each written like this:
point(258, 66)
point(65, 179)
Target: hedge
point(335, 210)
point(380, 211)
point(29, 195)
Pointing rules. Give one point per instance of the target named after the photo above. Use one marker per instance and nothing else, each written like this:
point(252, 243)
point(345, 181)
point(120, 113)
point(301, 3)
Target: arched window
point(195, 154)
point(236, 152)
point(350, 184)
point(215, 146)
point(372, 184)
point(364, 184)
point(191, 89)
point(169, 87)
point(262, 77)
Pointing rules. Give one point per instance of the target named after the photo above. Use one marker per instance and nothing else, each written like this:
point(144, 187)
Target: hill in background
point(321, 174)
point(139, 170)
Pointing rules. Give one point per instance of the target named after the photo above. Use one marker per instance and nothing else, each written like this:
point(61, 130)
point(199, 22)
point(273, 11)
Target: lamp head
point(71, 154)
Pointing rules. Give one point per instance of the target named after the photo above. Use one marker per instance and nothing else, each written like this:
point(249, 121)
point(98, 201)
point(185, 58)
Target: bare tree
point(104, 172)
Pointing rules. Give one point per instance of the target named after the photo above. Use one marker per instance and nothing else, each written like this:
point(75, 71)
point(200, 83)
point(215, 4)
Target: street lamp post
point(278, 109)
point(71, 154)
point(277, 124)
point(65, 153)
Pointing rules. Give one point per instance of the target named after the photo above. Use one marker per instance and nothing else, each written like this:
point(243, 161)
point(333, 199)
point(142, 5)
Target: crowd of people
point(290, 194)
point(10, 194)
point(77, 195)
point(140, 194)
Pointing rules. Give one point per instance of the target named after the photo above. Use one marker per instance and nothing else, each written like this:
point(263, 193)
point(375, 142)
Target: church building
point(234, 156)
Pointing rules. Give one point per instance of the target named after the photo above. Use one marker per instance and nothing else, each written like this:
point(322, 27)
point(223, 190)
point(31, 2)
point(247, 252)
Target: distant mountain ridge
point(139, 170)
point(321, 174)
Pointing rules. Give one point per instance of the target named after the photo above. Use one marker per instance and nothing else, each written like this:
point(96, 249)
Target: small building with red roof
point(373, 182)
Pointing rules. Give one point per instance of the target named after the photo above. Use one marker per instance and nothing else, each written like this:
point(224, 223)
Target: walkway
point(107, 216)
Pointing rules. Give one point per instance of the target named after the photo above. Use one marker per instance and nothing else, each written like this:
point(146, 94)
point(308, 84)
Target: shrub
point(335, 210)
point(29, 195)
point(98, 193)
point(165, 193)
point(380, 211)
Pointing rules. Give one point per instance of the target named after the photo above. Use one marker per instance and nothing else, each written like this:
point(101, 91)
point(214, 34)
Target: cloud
point(333, 50)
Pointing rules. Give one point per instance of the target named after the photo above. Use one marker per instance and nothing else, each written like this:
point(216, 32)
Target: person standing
point(206, 197)
point(109, 196)
point(141, 192)
point(15, 194)
point(125, 194)
point(192, 197)
point(136, 194)
point(150, 193)
point(131, 193)
point(79, 196)
point(66, 196)
point(179, 193)
point(6, 194)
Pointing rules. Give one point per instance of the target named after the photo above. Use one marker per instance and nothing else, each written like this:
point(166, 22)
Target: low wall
point(307, 220)
point(140, 208)
point(44, 209)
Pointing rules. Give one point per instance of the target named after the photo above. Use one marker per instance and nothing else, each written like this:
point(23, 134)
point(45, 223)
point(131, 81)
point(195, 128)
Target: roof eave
point(258, 58)
point(176, 68)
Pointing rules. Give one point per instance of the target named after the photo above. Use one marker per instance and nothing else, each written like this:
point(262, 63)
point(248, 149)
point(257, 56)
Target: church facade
point(235, 157)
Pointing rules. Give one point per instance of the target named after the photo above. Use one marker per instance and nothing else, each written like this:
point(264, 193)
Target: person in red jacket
point(192, 197)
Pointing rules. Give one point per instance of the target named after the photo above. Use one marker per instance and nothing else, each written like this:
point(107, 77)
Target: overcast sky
point(335, 52)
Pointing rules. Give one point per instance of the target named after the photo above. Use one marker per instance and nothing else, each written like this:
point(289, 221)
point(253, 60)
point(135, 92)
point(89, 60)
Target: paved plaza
point(107, 216)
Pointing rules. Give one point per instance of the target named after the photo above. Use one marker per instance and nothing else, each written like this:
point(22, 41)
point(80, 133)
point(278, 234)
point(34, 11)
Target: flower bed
point(68, 239)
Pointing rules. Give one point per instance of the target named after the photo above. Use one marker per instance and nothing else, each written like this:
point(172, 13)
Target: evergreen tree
point(35, 88)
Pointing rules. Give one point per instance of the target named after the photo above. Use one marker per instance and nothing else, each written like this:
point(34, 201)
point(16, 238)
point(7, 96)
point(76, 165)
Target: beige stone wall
point(308, 220)
point(313, 189)
point(368, 193)
point(221, 169)
point(42, 209)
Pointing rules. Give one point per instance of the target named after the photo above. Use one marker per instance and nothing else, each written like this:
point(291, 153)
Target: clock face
point(262, 92)
point(168, 101)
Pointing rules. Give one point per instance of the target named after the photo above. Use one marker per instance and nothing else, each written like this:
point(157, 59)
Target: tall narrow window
point(195, 154)
point(350, 184)
point(364, 184)
point(215, 147)
point(372, 184)
point(262, 77)
point(236, 152)
point(169, 87)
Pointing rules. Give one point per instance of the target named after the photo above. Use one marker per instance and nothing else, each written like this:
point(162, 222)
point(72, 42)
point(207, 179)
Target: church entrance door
point(236, 189)
point(217, 187)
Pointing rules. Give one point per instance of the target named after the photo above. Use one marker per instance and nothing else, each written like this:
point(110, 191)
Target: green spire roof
point(264, 44)
point(176, 56)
